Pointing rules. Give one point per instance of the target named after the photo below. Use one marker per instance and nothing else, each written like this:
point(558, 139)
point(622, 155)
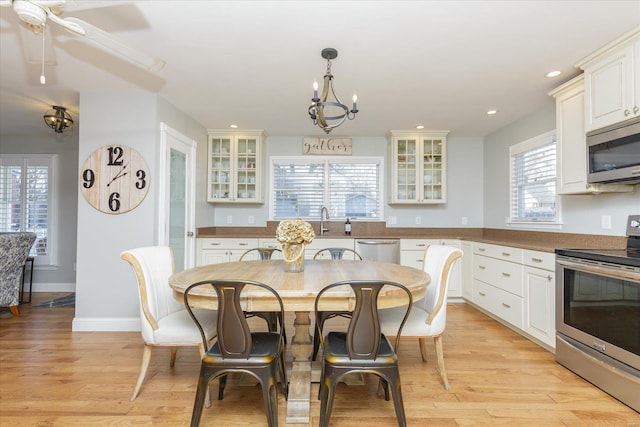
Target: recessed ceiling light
point(492, 112)
point(419, 127)
point(233, 126)
point(555, 73)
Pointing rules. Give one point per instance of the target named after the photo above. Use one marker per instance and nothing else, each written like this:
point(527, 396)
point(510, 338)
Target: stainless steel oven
point(598, 315)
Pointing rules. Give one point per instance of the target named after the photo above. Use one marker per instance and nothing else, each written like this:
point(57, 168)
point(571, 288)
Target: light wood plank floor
point(50, 376)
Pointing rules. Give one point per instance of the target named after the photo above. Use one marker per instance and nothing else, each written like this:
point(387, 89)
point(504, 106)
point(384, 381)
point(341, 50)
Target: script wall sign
point(326, 146)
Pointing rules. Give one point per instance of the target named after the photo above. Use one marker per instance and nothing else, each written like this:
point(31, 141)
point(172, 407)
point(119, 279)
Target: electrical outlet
point(418, 220)
point(465, 220)
point(605, 222)
point(392, 220)
point(251, 219)
point(229, 219)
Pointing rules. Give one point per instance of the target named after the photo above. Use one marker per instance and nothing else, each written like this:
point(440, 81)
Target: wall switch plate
point(229, 219)
point(392, 220)
point(251, 219)
point(465, 220)
point(418, 220)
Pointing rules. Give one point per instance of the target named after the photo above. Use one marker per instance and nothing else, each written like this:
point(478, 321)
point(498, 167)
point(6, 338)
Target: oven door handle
point(600, 270)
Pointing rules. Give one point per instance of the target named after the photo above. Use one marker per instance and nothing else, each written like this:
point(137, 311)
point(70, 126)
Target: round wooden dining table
point(298, 292)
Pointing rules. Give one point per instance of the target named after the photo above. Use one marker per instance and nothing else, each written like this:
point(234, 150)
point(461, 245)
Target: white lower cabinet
point(217, 250)
point(516, 286)
point(412, 254)
point(467, 270)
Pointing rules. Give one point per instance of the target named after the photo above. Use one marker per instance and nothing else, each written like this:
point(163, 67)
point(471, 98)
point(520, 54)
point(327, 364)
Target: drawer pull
point(505, 305)
point(482, 294)
point(420, 245)
point(549, 278)
point(481, 249)
point(481, 267)
point(506, 254)
point(536, 260)
point(214, 244)
point(244, 244)
point(506, 274)
point(419, 260)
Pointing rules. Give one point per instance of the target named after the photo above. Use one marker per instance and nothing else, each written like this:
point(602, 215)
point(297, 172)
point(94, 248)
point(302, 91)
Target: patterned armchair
point(14, 249)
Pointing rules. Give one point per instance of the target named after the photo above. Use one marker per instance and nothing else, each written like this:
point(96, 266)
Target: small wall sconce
point(58, 119)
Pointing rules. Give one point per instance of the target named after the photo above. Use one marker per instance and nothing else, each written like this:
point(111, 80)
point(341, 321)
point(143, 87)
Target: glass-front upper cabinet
point(418, 166)
point(235, 167)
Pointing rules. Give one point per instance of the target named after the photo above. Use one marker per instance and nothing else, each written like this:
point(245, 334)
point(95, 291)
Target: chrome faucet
point(324, 214)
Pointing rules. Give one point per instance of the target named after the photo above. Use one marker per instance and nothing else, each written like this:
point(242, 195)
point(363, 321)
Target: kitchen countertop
point(533, 240)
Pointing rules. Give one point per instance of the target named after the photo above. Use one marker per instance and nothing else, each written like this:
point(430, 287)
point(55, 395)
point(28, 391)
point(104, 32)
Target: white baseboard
point(106, 324)
point(52, 287)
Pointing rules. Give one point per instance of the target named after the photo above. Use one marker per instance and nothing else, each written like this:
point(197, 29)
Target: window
point(533, 180)
point(347, 187)
point(26, 200)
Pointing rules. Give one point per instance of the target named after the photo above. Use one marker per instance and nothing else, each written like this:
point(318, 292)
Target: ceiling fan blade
point(67, 24)
point(114, 46)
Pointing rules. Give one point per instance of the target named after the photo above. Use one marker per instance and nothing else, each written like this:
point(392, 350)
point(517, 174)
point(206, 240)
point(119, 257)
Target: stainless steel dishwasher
point(383, 250)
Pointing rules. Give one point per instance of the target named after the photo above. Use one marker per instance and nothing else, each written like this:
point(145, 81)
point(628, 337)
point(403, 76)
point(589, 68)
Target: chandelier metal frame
point(58, 119)
point(318, 104)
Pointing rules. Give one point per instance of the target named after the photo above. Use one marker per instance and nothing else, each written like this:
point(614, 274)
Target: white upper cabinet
point(612, 82)
point(235, 167)
point(418, 166)
point(571, 142)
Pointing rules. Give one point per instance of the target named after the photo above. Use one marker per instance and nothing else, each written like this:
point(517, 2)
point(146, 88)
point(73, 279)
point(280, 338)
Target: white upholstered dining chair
point(163, 320)
point(428, 316)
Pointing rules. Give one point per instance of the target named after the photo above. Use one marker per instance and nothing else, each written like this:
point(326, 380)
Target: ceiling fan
point(34, 15)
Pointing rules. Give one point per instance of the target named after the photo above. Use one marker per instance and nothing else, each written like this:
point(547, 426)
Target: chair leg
point(14, 310)
point(174, 352)
point(146, 357)
point(222, 383)
point(201, 393)
point(397, 400)
point(327, 393)
point(443, 373)
point(423, 348)
point(270, 397)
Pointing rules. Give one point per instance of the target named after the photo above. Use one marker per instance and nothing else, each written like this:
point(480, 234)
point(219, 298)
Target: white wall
point(106, 288)
point(465, 172)
point(579, 213)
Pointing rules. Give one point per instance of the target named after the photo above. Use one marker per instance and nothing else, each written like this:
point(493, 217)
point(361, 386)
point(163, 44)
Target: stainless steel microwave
point(614, 153)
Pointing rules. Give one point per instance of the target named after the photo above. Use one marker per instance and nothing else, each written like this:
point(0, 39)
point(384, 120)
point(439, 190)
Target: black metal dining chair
point(336, 254)
point(237, 348)
point(271, 318)
point(363, 348)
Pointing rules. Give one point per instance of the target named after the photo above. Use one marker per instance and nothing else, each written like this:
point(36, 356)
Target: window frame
point(327, 160)
point(534, 143)
point(51, 161)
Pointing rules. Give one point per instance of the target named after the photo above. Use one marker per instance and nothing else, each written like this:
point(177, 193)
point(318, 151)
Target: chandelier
point(325, 113)
point(58, 119)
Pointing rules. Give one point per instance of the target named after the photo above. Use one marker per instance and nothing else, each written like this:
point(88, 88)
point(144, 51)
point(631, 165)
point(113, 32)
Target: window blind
point(533, 180)
point(348, 188)
point(25, 198)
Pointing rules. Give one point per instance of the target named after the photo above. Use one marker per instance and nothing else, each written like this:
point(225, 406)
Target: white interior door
point(176, 196)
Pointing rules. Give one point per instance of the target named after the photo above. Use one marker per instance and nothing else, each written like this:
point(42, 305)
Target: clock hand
point(118, 175)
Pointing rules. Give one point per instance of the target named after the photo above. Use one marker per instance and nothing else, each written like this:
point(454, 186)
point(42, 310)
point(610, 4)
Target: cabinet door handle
point(481, 267)
point(481, 249)
point(421, 245)
point(627, 112)
point(244, 244)
point(482, 294)
point(549, 278)
point(536, 260)
point(506, 274)
point(636, 109)
point(506, 254)
point(214, 244)
point(419, 260)
point(505, 305)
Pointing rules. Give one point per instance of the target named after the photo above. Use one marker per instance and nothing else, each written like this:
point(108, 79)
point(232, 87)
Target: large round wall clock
point(114, 179)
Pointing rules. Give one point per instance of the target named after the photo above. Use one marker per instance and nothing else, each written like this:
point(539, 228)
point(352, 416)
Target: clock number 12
point(115, 156)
